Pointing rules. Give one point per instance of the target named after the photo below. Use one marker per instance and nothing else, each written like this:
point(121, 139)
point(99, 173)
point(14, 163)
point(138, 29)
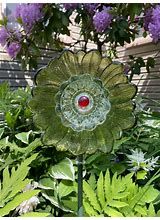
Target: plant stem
point(80, 185)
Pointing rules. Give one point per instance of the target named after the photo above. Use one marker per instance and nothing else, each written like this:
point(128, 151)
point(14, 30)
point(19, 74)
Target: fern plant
point(11, 194)
point(118, 197)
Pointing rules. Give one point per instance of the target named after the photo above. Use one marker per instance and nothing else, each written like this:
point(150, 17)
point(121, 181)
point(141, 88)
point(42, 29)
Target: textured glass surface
point(76, 117)
point(70, 126)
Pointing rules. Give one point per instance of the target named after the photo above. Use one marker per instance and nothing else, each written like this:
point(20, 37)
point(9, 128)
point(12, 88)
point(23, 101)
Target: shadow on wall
point(148, 83)
point(11, 70)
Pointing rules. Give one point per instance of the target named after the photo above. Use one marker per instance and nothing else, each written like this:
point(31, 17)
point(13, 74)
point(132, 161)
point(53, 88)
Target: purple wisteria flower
point(30, 14)
point(147, 18)
point(70, 6)
point(91, 8)
point(3, 36)
point(13, 49)
point(154, 25)
point(127, 68)
point(102, 20)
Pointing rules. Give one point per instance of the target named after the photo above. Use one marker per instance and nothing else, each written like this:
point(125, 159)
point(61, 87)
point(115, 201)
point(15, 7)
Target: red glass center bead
point(83, 101)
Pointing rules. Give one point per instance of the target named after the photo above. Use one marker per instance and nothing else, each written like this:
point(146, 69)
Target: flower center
point(83, 101)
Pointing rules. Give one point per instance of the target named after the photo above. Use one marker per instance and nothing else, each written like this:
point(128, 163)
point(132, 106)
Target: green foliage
point(145, 135)
point(134, 10)
point(150, 63)
point(36, 214)
point(118, 197)
point(64, 170)
point(13, 183)
point(59, 187)
point(17, 117)
point(56, 172)
point(136, 63)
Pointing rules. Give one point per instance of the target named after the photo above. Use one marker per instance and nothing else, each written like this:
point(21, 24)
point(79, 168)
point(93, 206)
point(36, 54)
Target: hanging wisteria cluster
point(26, 16)
point(112, 21)
point(152, 22)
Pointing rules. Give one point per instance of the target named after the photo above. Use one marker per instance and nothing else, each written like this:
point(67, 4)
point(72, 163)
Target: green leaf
point(151, 210)
point(92, 181)
point(18, 188)
point(34, 49)
point(141, 174)
point(17, 201)
point(6, 176)
point(134, 9)
point(11, 119)
point(4, 21)
point(145, 34)
point(51, 199)
point(14, 182)
point(13, 146)
point(89, 209)
point(118, 143)
point(141, 210)
point(71, 204)
point(140, 62)
point(118, 204)
point(121, 195)
point(32, 146)
point(63, 170)
point(1, 132)
point(90, 194)
point(149, 194)
point(112, 212)
point(55, 202)
point(100, 190)
point(23, 137)
point(118, 168)
point(65, 188)
point(47, 183)
point(150, 63)
point(36, 214)
point(107, 186)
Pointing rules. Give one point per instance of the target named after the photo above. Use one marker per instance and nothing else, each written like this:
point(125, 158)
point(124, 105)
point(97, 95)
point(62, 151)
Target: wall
point(148, 83)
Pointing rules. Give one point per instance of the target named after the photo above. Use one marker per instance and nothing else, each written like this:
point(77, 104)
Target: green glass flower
point(82, 101)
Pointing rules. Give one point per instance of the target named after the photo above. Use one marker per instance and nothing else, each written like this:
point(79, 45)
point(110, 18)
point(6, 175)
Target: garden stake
point(80, 185)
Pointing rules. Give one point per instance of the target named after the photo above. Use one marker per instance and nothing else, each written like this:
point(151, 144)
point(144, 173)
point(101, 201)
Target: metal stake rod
point(80, 185)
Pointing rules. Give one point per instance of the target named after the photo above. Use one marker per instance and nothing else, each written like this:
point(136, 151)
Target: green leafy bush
point(119, 197)
point(15, 114)
point(56, 171)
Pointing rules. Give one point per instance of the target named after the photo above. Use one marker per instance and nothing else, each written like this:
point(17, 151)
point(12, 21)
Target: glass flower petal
point(82, 102)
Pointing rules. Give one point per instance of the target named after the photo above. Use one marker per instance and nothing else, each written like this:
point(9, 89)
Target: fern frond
point(107, 186)
point(151, 210)
point(13, 183)
point(90, 194)
point(17, 201)
point(117, 204)
point(18, 188)
point(89, 209)
point(120, 197)
point(100, 190)
point(141, 210)
point(112, 212)
point(6, 177)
